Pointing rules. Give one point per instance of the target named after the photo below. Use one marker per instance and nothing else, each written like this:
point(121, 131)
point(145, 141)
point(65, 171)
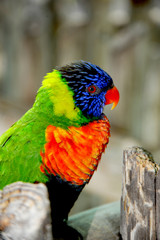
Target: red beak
point(112, 96)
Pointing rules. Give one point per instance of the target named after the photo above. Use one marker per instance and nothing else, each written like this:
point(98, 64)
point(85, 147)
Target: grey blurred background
point(121, 36)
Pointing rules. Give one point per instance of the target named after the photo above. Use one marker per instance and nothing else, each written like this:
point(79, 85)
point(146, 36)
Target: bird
point(60, 140)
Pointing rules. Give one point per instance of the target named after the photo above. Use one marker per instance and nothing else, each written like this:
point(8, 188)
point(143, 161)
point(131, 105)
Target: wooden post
point(138, 202)
point(158, 204)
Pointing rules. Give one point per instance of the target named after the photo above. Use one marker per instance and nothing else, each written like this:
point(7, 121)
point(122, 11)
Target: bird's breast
point(74, 154)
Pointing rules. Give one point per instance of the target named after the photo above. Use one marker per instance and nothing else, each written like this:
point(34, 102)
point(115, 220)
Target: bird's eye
point(92, 89)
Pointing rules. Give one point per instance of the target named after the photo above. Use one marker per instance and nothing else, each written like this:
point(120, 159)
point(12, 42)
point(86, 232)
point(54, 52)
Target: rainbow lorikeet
point(60, 140)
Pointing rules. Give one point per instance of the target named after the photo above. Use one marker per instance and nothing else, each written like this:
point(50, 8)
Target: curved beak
point(112, 96)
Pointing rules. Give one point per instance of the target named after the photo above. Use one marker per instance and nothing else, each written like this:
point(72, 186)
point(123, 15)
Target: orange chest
point(74, 154)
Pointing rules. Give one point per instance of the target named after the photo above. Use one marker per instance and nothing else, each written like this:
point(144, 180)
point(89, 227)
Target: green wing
point(20, 148)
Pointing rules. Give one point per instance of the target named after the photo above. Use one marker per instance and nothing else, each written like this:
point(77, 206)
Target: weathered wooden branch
point(140, 207)
point(25, 212)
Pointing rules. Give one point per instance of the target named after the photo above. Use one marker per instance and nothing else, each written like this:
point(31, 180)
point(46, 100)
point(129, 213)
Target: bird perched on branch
point(60, 140)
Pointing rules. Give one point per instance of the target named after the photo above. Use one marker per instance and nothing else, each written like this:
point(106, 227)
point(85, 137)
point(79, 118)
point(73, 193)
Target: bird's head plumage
point(80, 91)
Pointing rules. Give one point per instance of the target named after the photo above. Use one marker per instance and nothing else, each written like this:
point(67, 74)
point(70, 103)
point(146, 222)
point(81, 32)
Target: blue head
point(90, 84)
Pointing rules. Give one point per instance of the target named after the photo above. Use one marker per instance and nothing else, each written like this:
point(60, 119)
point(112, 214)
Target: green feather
point(20, 145)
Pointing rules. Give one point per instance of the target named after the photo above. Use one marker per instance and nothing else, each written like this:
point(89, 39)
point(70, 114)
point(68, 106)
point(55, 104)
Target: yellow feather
point(60, 95)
